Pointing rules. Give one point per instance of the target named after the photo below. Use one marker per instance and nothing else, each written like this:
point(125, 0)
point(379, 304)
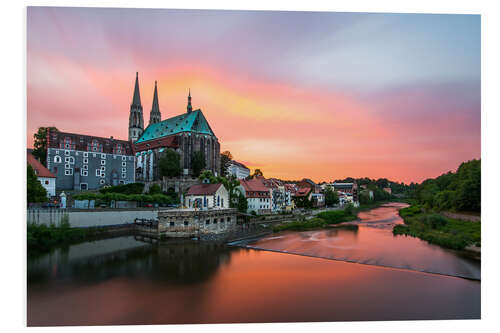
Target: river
point(331, 275)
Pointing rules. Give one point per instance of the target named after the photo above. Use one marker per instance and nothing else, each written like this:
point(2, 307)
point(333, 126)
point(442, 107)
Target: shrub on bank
point(337, 216)
point(437, 229)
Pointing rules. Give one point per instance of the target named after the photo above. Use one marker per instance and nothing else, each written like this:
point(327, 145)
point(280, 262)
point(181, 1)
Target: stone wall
point(190, 223)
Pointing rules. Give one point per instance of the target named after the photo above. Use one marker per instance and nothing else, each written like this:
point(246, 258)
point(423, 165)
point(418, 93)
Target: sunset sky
point(296, 94)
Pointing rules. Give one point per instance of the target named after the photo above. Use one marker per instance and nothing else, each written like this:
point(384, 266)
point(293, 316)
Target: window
point(94, 155)
point(85, 154)
point(124, 175)
point(207, 222)
point(215, 221)
point(83, 186)
point(57, 159)
point(117, 149)
point(124, 169)
point(85, 161)
point(94, 146)
point(85, 173)
point(103, 162)
point(101, 181)
point(46, 182)
point(228, 219)
point(69, 159)
point(57, 152)
point(103, 168)
point(124, 158)
point(85, 167)
point(103, 156)
point(122, 182)
point(67, 166)
point(97, 172)
point(186, 223)
point(124, 164)
point(68, 172)
point(66, 153)
point(172, 224)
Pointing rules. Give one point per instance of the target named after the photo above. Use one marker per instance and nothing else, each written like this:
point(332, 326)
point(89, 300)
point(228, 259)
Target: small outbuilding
point(206, 196)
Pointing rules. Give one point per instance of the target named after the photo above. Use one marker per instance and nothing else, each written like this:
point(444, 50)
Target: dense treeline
point(457, 191)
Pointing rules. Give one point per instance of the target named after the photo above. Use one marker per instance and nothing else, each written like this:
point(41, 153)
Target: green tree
point(197, 162)
point(36, 192)
point(242, 204)
point(225, 158)
point(40, 144)
point(155, 189)
point(331, 197)
point(257, 172)
point(170, 164)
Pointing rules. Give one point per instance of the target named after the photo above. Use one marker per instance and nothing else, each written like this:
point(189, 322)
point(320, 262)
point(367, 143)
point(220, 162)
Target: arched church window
point(57, 159)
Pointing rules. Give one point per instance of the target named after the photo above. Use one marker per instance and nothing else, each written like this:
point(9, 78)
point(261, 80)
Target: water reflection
point(126, 281)
point(374, 244)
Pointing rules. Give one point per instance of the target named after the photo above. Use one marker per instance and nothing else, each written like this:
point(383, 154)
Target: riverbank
point(440, 230)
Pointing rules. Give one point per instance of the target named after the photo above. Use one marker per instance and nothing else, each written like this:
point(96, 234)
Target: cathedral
point(185, 133)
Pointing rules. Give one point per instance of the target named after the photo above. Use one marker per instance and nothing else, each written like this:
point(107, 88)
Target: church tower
point(155, 115)
point(136, 120)
point(189, 107)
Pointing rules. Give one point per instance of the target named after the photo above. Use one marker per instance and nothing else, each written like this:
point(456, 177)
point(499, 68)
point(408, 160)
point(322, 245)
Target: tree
point(242, 203)
point(197, 162)
point(40, 144)
point(155, 189)
point(257, 172)
point(170, 164)
point(36, 192)
point(331, 197)
point(225, 158)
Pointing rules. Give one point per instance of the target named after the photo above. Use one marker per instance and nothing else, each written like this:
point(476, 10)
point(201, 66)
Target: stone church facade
point(185, 133)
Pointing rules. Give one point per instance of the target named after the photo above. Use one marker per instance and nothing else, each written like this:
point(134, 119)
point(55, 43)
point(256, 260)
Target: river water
point(373, 276)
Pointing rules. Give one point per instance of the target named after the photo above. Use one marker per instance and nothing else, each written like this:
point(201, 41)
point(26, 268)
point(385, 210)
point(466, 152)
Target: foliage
point(40, 144)
point(337, 216)
point(111, 196)
point(230, 183)
point(155, 189)
point(437, 229)
point(459, 191)
point(132, 188)
point(242, 204)
point(170, 164)
point(322, 220)
point(197, 162)
point(257, 172)
point(225, 158)
point(41, 238)
point(331, 197)
point(36, 192)
point(303, 202)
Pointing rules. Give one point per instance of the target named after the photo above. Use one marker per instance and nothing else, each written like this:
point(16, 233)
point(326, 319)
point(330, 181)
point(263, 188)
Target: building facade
point(257, 194)
point(83, 162)
point(186, 134)
point(44, 176)
point(207, 196)
point(238, 170)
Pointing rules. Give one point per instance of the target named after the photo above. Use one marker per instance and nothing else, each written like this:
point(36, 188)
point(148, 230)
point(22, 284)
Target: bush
point(133, 188)
point(337, 216)
point(155, 189)
point(435, 221)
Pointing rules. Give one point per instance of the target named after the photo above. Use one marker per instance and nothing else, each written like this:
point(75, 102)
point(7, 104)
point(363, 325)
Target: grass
point(42, 238)
point(437, 229)
point(322, 220)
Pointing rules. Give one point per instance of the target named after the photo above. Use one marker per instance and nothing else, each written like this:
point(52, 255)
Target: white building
point(45, 177)
point(205, 196)
point(237, 169)
point(257, 194)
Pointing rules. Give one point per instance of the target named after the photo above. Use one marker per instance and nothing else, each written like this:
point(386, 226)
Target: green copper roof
point(194, 122)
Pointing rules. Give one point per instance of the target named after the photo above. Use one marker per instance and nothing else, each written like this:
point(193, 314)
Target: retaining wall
point(88, 218)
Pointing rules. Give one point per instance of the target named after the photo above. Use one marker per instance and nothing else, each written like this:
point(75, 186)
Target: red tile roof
point(302, 192)
point(40, 170)
point(255, 188)
point(203, 189)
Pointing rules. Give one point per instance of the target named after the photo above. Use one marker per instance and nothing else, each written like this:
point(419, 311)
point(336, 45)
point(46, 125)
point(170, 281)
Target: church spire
point(189, 107)
point(155, 115)
point(137, 96)
point(136, 119)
